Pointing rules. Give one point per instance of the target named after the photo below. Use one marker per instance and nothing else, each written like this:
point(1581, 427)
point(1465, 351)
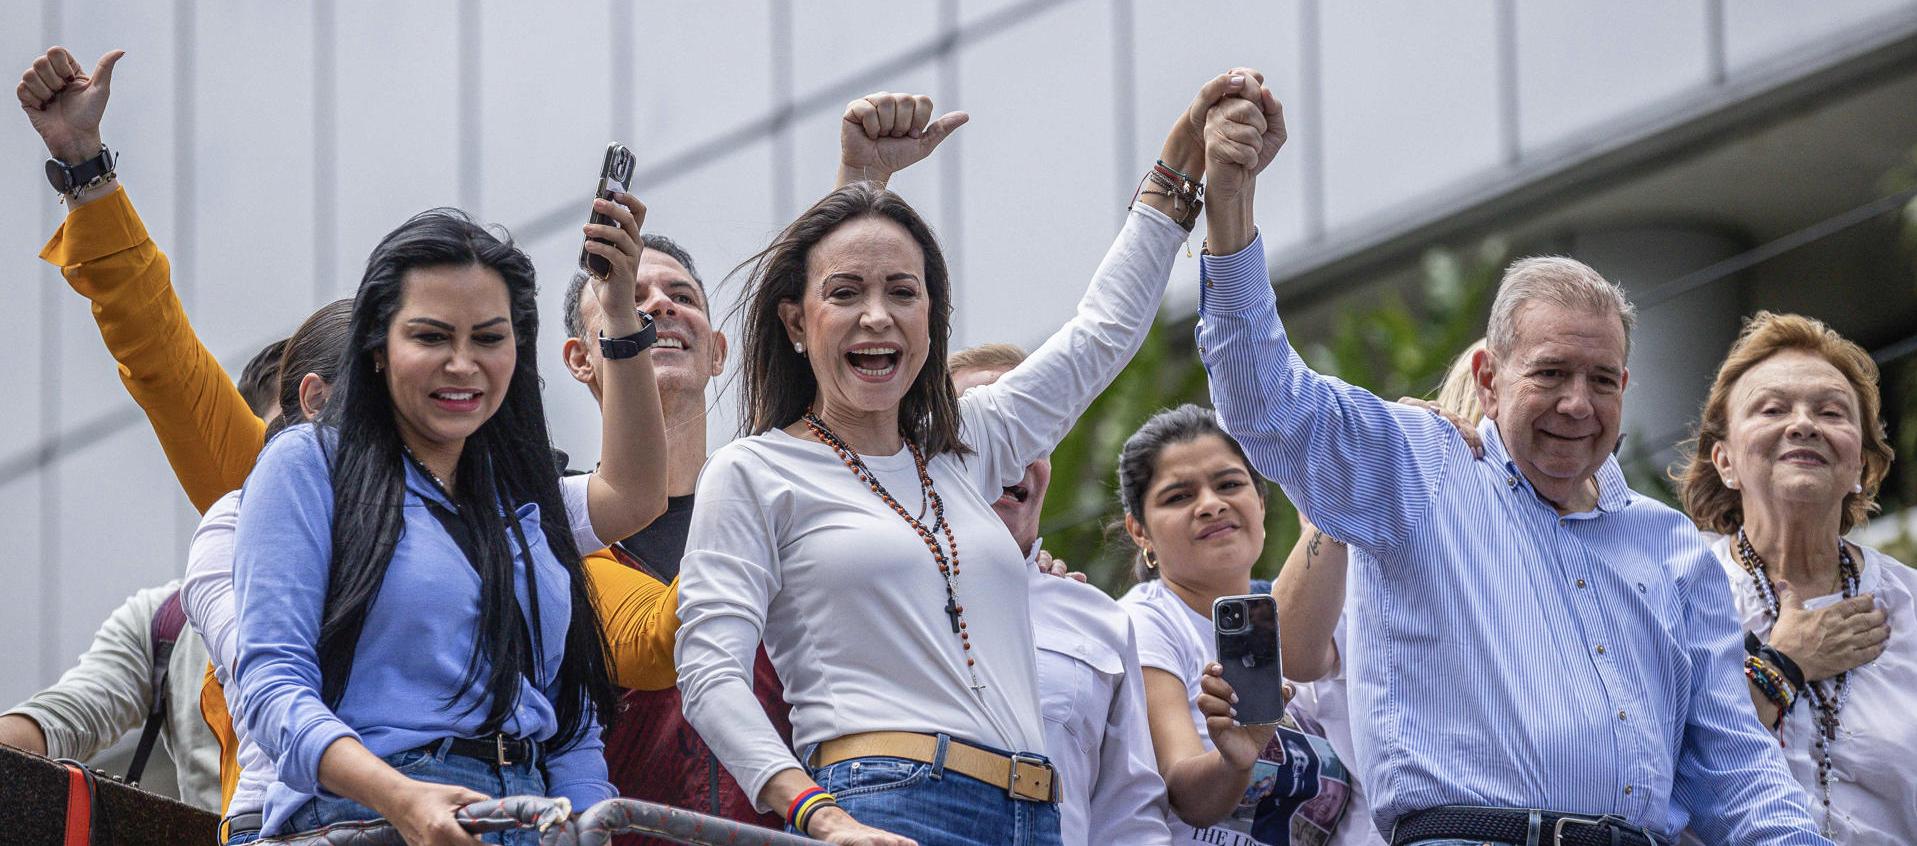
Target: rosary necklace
point(948, 565)
point(1828, 703)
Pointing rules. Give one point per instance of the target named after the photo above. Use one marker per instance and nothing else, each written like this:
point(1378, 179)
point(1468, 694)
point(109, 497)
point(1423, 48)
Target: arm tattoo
point(1311, 550)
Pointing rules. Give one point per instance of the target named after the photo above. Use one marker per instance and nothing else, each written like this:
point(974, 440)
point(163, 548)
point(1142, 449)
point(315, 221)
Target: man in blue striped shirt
point(1525, 631)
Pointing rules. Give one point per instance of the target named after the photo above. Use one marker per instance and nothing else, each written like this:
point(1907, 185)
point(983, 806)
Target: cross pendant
point(952, 612)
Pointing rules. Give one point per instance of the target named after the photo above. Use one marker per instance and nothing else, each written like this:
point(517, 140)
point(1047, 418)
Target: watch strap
point(630, 345)
point(72, 179)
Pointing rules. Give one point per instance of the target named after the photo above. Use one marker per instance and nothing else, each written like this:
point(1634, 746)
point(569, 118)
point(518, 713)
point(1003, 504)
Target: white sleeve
point(1022, 416)
point(575, 490)
point(1128, 802)
point(107, 694)
point(206, 593)
point(727, 580)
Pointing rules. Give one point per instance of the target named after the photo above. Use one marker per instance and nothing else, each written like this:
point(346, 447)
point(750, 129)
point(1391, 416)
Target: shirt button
point(1640, 587)
point(1510, 481)
point(1600, 651)
point(1201, 349)
point(1620, 714)
point(1580, 584)
point(1627, 790)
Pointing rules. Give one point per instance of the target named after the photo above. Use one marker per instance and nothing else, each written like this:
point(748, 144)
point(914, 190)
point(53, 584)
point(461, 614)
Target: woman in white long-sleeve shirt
point(853, 532)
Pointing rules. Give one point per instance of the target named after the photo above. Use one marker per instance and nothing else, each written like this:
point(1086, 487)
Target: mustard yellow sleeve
point(209, 434)
point(641, 617)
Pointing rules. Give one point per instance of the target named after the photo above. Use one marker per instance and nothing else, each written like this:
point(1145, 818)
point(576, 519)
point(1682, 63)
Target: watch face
point(57, 176)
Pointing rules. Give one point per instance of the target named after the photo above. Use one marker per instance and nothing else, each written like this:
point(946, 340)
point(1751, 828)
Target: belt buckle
point(1607, 821)
point(1012, 786)
point(499, 747)
point(1557, 829)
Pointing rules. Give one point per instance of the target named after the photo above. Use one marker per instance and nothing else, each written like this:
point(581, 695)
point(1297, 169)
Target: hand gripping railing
point(552, 819)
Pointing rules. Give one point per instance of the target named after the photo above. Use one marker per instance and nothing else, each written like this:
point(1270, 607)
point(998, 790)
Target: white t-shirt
point(1298, 787)
point(1873, 793)
point(1325, 701)
point(1097, 733)
point(788, 546)
point(206, 594)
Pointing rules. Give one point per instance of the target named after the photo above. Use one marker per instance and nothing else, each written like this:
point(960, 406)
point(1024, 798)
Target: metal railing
point(552, 819)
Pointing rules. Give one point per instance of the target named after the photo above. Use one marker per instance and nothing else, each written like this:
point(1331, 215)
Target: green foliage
point(1397, 347)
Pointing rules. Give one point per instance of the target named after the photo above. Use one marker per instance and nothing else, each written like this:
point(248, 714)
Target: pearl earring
point(798, 347)
point(1857, 488)
point(1730, 483)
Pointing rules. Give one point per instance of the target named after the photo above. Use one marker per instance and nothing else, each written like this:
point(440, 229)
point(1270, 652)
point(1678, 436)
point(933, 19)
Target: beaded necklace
point(1828, 703)
point(948, 564)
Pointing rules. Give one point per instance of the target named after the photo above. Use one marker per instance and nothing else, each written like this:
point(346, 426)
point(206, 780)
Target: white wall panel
point(545, 114)
point(1572, 85)
point(28, 210)
point(703, 70)
point(253, 128)
point(1758, 30)
point(397, 125)
point(116, 534)
point(1171, 64)
point(832, 44)
point(1040, 199)
point(23, 614)
point(1410, 99)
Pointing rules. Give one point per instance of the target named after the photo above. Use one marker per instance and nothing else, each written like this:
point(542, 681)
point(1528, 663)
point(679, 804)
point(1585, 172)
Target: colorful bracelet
point(807, 803)
point(1772, 684)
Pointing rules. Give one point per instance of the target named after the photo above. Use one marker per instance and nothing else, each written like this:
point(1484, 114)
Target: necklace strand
point(948, 565)
point(1827, 704)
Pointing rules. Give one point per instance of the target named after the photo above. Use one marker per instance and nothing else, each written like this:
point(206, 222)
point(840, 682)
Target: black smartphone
point(1247, 631)
point(615, 175)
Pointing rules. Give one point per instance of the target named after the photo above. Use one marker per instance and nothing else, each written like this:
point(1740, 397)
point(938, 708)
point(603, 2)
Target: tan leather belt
point(1020, 776)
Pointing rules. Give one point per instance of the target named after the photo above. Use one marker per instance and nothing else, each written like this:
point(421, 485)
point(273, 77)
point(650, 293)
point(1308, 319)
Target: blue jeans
point(242, 838)
point(434, 763)
point(934, 806)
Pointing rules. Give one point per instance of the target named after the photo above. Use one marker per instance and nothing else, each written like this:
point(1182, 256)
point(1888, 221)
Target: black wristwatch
point(72, 179)
point(633, 344)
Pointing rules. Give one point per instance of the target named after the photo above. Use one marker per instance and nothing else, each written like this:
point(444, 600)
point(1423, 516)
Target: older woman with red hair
point(1789, 456)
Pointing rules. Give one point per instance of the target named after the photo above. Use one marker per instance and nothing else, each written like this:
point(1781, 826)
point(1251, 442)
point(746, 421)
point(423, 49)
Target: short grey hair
point(576, 287)
point(1559, 281)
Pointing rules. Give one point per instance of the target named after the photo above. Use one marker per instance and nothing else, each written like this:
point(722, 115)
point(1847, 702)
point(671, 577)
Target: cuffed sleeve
point(209, 434)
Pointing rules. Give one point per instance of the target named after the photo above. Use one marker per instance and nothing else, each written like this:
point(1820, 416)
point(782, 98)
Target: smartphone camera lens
point(1231, 616)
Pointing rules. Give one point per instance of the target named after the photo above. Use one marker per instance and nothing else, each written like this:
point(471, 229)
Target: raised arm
point(1024, 414)
point(209, 434)
point(1310, 590)
point(628, 490)
point(1360, 468)
point(883, 133)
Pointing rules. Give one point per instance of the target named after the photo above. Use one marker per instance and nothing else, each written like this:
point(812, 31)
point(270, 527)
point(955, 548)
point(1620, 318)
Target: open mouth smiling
point(874, 362)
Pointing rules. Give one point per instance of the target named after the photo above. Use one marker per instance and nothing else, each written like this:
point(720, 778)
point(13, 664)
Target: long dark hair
point(314, 348)
point(506, 463)
point(1138, 461)
point(779, 386)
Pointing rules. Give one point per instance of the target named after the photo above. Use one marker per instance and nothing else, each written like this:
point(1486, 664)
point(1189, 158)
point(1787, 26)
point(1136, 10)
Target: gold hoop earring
point(1151, 560)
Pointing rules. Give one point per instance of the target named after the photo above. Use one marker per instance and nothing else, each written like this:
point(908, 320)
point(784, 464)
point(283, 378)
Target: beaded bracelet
point(1772, 684)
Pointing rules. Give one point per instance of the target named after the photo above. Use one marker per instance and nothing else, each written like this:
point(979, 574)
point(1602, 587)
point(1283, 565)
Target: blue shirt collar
point(1614, 493)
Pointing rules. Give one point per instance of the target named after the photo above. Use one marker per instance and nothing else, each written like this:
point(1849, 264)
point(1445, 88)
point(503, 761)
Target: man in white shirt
point(1091, 693)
